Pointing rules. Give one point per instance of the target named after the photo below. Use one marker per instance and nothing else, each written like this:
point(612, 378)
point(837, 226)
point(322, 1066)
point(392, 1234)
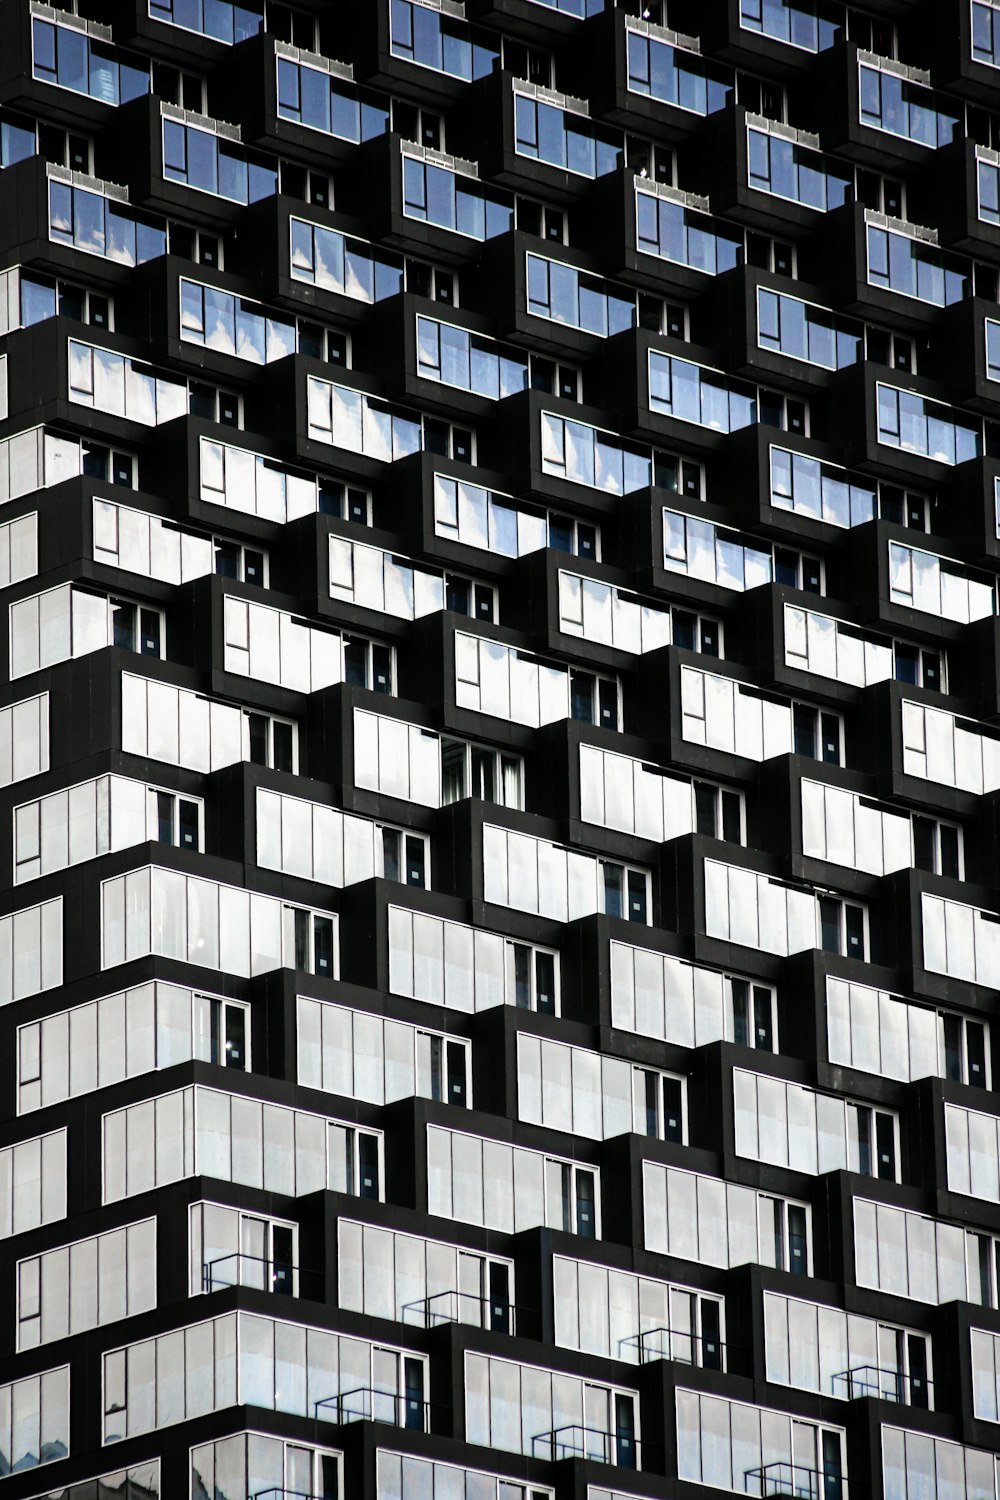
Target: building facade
point(499, 932)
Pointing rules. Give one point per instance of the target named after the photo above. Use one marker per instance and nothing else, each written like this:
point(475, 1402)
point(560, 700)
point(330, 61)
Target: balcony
point(884, 1384)
point(262, 1273)
point(576, 1441)
point(680, 1345)
point(369, 1404)
point(493, 1313)
point(788, 1481)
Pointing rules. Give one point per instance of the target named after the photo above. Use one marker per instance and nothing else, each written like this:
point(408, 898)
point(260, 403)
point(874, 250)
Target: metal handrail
point(209, 1280)
point(274, 1493)
point(367, 1411)
point(639, 1341)
point(795, 1482)
point(858, 1375)
point(432, 1317)
point(610, 1447)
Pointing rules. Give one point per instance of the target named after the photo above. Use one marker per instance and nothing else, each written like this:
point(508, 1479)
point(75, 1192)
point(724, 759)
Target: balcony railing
point(681, 1345)
point(885, 1384)
point(279, 1494)
point(264, 1273)
point(463, 1307)
point(788, 1481)
point(368, 1404)
point(575, 1441)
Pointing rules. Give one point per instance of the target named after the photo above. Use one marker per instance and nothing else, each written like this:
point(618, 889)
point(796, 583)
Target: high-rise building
point(500, 923)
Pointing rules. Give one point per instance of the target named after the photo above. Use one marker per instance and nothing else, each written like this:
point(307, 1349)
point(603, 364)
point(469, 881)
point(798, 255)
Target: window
point(348, 418)
point(138, 542)
point(701, 549)
point(395, 585)
point(136, 1400)
point(480, 771)
point(269, 1463)
point(831, 648)
point(941, 747)
point(436, 193)
point(937, 847)
point(260, 486)
point(936, 585)
point(673, 76)
point(499, 680)
point(971, 1145)
point(336, 262)
point(86, 1284)
point(915, 424)
point(688, 392)
point(33, 1171)
point(379, 1060)
point(634, 797)
point(729, 715)
point(721, 1223)
point(793, 1126)
point(474, 1180)
point(542, 221)
point(589, 456)
point(878, 1033)
point(456, 357)
point(311, 97)
point(65, 55)
point(271, 646)
point(529, 874)
point(320, 843)
point(423, 36)
point(236, 560)
point(564, 294)
point(98, 817)
point(40, 297)
point(212, 925)
point(845, 828)
point(561, 138)
point(918, 667)
point(408, 1478)
point(841, 926)
point(731, 1445)
point(201, 158)
point(492, 522)
point(222, 20)
point(960, 940)
point(582, 1093)
point(801, 330)
point(31, 958)
point(34, 1425)
point(817, 734)
point(466, 968)
point(852, 1356)
point(668, 228)
point(422, 1282)
point(234, 1248)
point(601, 612)
point(758, 911)
point(202, 1132)
point(188, 729)
point(889, 101)
point(227, 324)
point(519, 1408)
point(687, 1005)
point(911, 267)
point(821, 491)
point(17, 140)
point(597, 1312)
point(777, 164)
point(810, 26)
